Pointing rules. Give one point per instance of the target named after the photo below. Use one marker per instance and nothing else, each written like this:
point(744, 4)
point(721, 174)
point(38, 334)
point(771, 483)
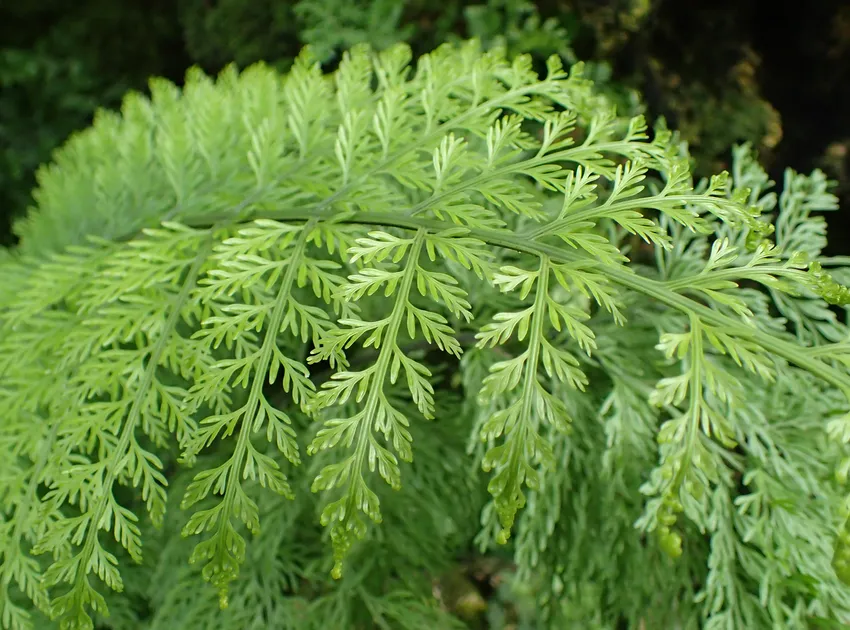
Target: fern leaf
point(388, 262)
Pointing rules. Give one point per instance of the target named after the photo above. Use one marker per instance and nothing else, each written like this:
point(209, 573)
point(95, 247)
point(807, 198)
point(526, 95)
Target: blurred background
point(775, 73)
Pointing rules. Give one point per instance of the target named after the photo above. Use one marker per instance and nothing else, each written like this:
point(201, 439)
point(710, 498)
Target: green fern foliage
point(306, 338)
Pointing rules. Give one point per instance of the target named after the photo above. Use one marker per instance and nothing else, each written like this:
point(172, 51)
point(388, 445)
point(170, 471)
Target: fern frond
point(226, 274)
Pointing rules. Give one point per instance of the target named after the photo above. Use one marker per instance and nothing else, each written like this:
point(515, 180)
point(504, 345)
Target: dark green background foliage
point(60, 61)
point(719, 71)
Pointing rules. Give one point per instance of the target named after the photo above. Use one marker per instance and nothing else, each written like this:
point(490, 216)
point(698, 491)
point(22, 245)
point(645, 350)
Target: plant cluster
point(55, 77)
point(277, 349)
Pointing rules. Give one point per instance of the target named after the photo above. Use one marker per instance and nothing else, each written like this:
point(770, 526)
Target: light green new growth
point(372, 285)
